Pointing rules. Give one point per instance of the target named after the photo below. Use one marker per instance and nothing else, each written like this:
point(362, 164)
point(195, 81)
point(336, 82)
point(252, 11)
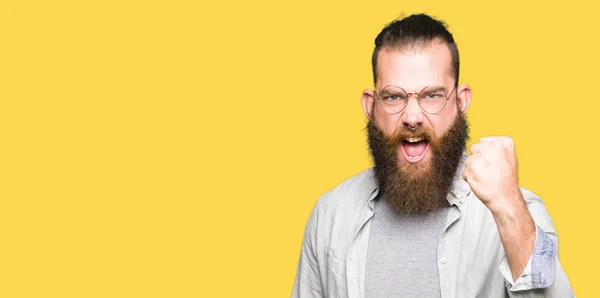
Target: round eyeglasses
point(432, 100)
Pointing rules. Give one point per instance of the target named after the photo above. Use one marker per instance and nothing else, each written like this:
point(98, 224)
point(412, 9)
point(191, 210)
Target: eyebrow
point(432, 88)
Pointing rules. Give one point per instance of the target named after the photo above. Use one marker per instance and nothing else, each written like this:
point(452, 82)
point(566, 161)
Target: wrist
point(508, 204)
point(512, 214)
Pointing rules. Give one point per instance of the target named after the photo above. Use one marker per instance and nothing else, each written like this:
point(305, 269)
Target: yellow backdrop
point(176, 148)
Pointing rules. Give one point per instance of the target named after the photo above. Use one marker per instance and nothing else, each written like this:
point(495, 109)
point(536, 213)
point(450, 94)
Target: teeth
point(414, 140)
point(412, 157)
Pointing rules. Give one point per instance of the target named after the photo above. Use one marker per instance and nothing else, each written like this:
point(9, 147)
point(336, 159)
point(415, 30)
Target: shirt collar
point(460, 188)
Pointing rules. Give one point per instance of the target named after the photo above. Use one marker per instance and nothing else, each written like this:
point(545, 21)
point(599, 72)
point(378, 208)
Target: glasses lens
point(432, 100)
point(393, 99)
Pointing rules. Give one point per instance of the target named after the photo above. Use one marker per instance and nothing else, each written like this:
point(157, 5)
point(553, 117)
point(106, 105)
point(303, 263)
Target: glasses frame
point(410, 94)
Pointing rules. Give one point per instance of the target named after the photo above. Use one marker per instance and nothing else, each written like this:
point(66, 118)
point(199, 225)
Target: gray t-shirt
point(402, 253)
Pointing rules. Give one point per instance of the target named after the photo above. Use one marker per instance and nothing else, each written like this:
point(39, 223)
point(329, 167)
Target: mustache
point(402, 133)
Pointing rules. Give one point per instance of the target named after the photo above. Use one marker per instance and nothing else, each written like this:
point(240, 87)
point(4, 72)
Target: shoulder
point(530, 197)
point(354, 192)
point(532, 200)
point(340, 212)
point(538, 210)
point(535, 205)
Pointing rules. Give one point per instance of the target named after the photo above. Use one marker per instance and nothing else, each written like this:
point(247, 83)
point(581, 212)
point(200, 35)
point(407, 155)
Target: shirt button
point(443, 260)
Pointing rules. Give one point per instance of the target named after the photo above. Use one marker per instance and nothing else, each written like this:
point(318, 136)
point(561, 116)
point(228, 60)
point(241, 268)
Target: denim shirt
point(471, 258)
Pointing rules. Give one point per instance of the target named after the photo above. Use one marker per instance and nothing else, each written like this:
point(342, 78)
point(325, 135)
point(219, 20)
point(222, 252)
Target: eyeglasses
point(432, 100)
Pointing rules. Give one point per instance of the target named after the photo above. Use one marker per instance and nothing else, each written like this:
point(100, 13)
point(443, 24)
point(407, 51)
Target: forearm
point(517, 232)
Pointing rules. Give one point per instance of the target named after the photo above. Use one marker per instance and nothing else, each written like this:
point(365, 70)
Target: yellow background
point(176, 148)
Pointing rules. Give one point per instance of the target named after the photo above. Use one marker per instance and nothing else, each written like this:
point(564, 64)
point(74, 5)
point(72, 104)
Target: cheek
point(387, 123)
point(442, 123)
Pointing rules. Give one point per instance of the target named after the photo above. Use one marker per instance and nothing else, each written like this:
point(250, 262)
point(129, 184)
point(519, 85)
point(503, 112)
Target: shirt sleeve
point(539, 272)
point(543, 276)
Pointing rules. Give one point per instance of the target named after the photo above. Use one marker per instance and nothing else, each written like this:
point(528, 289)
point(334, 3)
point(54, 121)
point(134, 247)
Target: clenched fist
point(491, 171)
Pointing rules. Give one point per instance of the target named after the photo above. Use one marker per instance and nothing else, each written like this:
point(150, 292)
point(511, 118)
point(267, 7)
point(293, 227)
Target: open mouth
point(414, 148)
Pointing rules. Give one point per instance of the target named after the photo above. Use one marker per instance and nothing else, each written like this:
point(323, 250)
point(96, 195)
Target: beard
point(421, 187)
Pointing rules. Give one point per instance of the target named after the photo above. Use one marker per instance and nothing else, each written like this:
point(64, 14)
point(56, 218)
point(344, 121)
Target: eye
point(433, 96)
point(394, 97)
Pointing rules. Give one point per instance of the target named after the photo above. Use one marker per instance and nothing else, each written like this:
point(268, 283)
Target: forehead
point(415, 68)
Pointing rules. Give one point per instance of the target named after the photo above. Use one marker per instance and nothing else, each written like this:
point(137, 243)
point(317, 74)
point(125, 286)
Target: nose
point(412, 114)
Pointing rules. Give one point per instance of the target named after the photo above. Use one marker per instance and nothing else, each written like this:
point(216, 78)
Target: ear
point(464, 94)
point(367, 100)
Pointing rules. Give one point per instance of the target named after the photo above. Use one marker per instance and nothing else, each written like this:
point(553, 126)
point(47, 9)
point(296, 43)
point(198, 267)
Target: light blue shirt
point(472, 261)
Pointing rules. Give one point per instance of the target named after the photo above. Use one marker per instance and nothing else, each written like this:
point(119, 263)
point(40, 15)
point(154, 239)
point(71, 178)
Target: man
point(428, 220)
